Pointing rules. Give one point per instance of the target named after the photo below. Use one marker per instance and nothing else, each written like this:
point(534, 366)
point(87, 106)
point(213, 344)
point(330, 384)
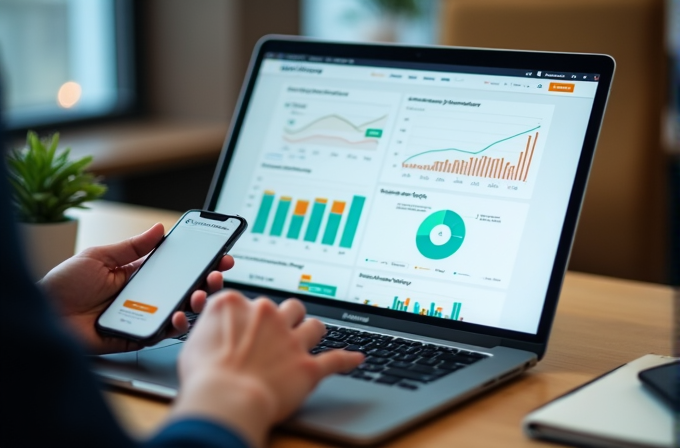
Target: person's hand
point(84, 285)
point(247, 363)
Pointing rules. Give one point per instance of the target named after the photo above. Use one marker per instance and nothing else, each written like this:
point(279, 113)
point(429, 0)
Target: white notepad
point(615, 410)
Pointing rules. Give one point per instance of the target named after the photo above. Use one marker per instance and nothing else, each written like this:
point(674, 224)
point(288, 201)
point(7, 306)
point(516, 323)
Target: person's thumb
point(120, 254)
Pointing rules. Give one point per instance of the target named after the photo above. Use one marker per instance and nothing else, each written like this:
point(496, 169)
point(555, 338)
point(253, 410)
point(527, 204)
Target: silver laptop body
point(421, 201)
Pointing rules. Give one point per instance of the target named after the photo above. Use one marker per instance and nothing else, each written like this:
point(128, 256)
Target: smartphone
point(664, 381)
point(176, 267)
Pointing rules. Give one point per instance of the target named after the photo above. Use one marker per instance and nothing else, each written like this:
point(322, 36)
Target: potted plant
point(45, 184)
point(392, 16)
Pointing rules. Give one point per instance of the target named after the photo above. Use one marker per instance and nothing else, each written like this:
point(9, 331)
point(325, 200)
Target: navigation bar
point(451, 68)
point(530, 84)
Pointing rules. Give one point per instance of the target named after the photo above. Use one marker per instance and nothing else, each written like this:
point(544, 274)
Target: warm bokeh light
point(69, 94)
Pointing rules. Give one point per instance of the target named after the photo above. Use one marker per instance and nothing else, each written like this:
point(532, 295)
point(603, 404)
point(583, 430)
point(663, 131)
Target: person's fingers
point(198, 301)
point(310, 332)
point(120, 254)
point(214, 281)
point(226, 263)
point(180, 324)
point(293, 312)
point(336, 361)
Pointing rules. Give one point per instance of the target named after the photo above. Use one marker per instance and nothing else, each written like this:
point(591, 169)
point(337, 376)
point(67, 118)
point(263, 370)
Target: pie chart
point(440, 235)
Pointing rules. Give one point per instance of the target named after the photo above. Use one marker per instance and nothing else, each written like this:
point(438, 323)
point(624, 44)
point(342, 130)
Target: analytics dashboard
point(434, 192)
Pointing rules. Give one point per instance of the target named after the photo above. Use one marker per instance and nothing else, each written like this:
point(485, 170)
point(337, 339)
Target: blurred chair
point(623, 227)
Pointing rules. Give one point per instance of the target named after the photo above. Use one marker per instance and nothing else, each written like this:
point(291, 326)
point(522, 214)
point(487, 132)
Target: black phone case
point(664, 381)
point(160, 333)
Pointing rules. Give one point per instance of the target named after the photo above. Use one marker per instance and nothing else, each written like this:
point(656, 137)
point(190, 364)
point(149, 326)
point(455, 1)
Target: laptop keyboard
point(394, 361)
point(390, 361)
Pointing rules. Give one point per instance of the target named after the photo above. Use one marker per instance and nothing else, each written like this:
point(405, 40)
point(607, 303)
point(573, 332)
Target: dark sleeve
point(195, 433)
point(48, 396)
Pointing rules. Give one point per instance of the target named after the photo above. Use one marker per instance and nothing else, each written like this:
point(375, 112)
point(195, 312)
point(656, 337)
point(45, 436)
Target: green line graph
point(472, 152)
point(332, 118)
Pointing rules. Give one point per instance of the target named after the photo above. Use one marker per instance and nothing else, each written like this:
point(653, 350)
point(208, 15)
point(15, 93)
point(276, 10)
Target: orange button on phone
point(140, 306)
point(561, 87)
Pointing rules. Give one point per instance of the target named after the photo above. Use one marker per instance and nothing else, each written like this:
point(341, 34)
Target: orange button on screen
point(566, 87)
point(140, 306)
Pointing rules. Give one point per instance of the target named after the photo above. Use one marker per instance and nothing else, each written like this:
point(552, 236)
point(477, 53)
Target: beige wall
point(622, 231)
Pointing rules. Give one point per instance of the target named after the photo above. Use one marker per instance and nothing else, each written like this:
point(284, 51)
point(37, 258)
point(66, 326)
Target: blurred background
point(149, 86)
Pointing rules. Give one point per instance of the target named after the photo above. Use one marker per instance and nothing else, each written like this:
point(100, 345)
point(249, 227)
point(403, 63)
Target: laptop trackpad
point(160, 363)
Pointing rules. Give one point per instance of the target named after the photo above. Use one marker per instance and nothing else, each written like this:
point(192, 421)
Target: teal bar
point(416, 308)
point(263, 213)
point(280, 217)
point(295, 226)
point(315, 221)
point(352, 221)
point(456, 310)
point(332, 227)
point(395, 302)
point(431, 309)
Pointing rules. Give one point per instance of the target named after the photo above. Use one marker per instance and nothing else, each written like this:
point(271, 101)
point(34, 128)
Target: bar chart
point(313, 221)
point(484, 166)
point(412, 306)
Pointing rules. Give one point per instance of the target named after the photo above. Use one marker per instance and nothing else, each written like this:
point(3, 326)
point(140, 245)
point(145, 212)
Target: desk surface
point(601, 323)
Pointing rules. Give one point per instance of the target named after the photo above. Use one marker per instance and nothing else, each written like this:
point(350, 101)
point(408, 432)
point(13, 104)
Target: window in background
point(404, 21)
point(65, 60)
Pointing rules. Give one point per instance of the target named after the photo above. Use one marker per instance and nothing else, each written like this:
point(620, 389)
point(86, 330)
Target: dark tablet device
point(664, 382)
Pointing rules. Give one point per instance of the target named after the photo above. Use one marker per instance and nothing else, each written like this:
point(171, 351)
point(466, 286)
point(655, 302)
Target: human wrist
point(236, 401)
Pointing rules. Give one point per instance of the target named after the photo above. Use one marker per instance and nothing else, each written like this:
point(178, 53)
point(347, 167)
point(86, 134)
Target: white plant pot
point(47, 245)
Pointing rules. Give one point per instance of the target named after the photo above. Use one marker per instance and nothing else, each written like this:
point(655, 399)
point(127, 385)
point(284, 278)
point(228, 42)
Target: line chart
point(494, 149)
point(473, 152)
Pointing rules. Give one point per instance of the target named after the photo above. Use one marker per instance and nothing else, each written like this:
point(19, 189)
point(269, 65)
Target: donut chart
point(440, 235)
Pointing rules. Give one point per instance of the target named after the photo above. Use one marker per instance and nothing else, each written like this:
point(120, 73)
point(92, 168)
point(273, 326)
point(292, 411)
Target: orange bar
point(301, 207)
point(456, 167)
point(321, 200)
point(306, 277)
point(478, 166)
point(338, 207)
point(270, 192)
point(505, 170)
point(487, 168)
point(526, 153)
point(520, 161)
point(565, 87)
point(137, 306)
point(407, 301)
point(511, 173)
point(531, 156)
point(492, 167)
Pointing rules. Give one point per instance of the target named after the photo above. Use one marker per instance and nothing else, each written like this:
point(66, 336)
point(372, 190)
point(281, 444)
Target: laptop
point(421, 202)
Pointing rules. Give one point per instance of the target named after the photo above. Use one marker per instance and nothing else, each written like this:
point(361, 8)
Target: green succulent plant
point(45, 183)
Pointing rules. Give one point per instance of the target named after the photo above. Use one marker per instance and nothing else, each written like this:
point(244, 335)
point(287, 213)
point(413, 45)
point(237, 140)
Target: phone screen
point(168, 275)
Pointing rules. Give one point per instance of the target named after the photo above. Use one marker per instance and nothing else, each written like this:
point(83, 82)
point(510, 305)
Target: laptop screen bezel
point(602, 65)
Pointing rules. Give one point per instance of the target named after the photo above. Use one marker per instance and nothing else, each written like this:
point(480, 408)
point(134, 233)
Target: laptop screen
point(438, 190)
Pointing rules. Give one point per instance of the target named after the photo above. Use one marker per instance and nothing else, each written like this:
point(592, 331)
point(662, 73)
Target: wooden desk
point(601, 323)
